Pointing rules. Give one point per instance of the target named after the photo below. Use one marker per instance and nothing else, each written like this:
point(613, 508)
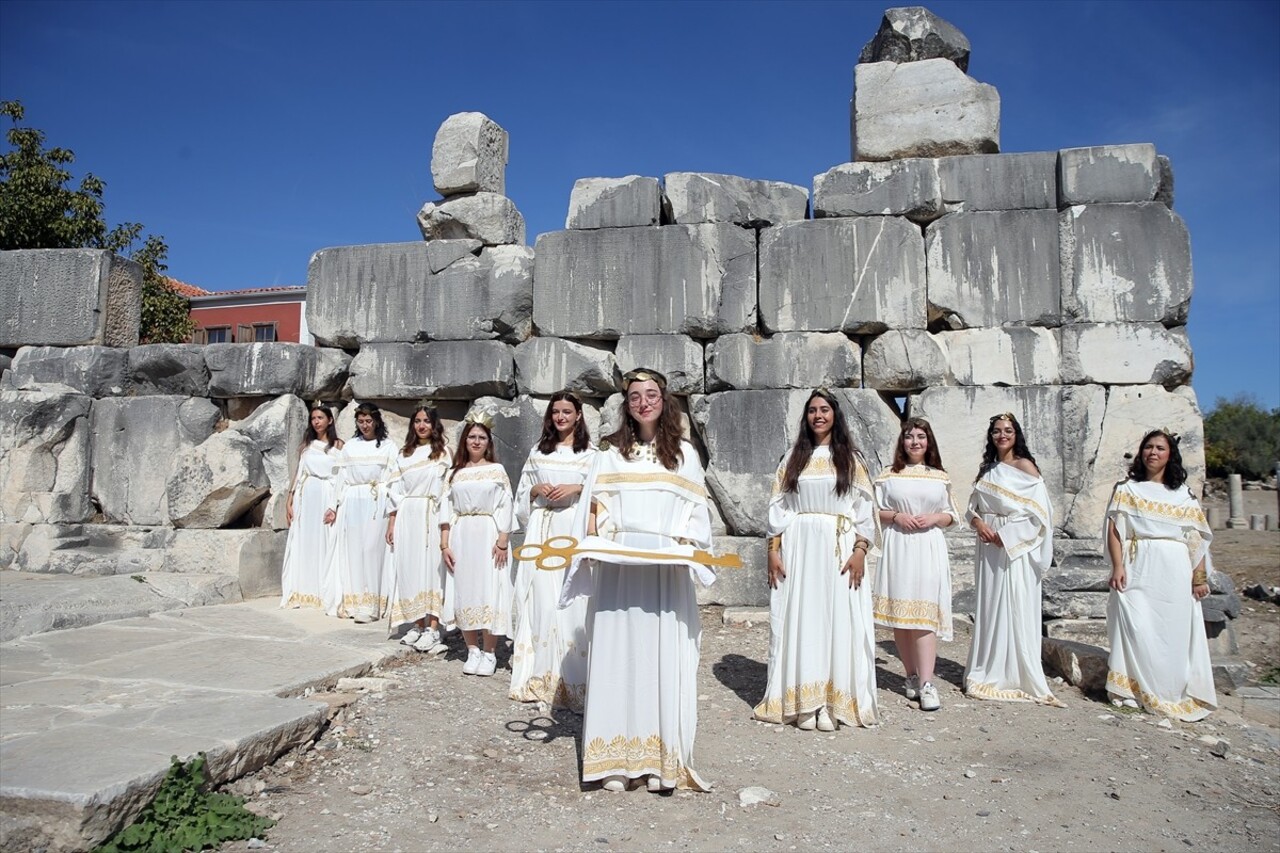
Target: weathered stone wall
point(931, 276)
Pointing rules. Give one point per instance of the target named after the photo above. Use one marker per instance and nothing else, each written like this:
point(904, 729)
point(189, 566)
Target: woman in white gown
point(913, 579)
point(1158, 541)
point(357, 509)
point(306, 551)
point(549, 663)
point(822, 662)
point(475, 530)
point(421, 593)
point(647, 493)
point(1010, 511)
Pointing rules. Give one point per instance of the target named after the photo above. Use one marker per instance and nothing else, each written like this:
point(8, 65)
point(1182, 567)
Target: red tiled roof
point(184, 289)
point(283, 289)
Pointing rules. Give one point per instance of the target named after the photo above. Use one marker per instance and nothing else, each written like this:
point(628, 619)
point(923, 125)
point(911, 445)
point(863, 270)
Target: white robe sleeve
point(781, 514)
point(503, 513)
point(524, 497)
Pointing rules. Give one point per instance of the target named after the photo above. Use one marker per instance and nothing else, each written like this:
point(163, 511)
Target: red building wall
point(286, 315)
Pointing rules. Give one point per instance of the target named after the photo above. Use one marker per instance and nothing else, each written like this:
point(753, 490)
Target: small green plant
point(185, 816)
point(1272, 676)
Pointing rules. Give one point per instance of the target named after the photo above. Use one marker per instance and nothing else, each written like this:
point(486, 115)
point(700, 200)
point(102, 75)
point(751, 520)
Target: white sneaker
point(410, 637)
point(473, 660)
point(807, 722)
point(426, 641)
point(654, 784)
point(929, 697)
point(615, 783)
point(912, 690)
point(364, 617)
point(488, 664)
point(825, 723)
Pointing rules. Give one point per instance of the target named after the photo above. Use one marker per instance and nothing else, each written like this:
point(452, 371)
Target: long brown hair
point(437, 432)
point(330, 436)
point(932, 456)
point(551, 436)
point(843, 453)
point(460, 455)
point(669, 433)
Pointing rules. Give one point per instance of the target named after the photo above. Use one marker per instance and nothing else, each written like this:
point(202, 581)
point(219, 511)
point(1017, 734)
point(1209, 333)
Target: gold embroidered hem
point(553, 690)
point(635, 757)
point(364, 601)
point(977, 690)
point(479, 618)
point(914, 614)
point(1188, 710)
point(422, 604)
point(302, 599)
point(810, 697)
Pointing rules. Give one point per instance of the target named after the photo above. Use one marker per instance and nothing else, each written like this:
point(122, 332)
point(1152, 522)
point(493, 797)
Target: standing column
point(1235, 497)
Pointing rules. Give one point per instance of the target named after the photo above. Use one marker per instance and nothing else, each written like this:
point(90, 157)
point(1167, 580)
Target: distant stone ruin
point(930, 276)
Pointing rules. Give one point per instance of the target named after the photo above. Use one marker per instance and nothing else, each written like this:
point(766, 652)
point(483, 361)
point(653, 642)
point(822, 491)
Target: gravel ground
point(444, 761)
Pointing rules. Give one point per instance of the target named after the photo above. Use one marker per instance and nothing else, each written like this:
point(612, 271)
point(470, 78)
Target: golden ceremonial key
point(558, 551)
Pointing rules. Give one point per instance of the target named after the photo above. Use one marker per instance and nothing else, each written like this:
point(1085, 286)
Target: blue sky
point(252, 134)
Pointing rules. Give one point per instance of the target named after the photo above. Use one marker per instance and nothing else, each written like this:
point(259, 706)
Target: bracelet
point(775, 543)
point(861, 544)
point(1199, 578)
point(502, 547)
point(894, 520)
point(444, 547)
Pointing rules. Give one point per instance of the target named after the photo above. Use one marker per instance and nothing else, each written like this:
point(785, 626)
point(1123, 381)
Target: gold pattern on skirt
point(364, 601)
point(633, 757)
point(1122, 685)
point(302, 599)
point(553, 690)
point(978, 690)
point(810, 697)
point(478, 618)
point(410, 610)
point(907, 612)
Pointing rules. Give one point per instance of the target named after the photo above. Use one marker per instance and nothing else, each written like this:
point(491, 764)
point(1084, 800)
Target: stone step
point(90, 717)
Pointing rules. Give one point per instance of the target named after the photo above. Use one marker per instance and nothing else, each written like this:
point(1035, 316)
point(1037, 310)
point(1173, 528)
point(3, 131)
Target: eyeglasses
point(636, 398)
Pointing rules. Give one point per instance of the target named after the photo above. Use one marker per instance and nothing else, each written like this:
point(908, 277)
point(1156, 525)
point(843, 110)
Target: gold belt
point(1134, 540)
point(548, 512)
point(843, 525)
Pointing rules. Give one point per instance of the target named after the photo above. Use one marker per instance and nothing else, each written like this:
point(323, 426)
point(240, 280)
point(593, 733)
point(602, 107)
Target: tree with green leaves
point(40, 210)
point(1241, 437)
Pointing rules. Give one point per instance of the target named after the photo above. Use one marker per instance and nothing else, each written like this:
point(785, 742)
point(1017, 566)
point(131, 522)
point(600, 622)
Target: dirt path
point(446, 762)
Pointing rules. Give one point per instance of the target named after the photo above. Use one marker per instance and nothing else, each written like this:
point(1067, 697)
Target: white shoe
point(448, 629)
point(426, 641)
point(615, 783)
point(364, 617)
point(807, 722)
point(410, 637)
point(654, 784)
point(825, 723)
point(473, 660)
point(912, 690)
point(929, 697)
point(488, 664)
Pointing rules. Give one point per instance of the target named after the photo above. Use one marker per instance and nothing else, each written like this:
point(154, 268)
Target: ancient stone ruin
point(931, 275)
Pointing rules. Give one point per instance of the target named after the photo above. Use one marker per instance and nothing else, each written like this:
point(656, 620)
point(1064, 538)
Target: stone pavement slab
point(89, 717)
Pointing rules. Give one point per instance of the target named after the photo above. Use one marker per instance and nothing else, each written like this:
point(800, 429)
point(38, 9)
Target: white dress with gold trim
point(1004, 660)
point(913, 578)
point(310, 540)
point(477, 506)
point(360, 544)
point(643, 624)
point(1159, 650)
point(549, 662)
point(419, 583)
point(822, 634)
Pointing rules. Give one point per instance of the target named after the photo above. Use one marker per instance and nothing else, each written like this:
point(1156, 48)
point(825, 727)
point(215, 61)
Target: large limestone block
point(909, 188)
point(443, 253)
point(1125, 263)
point(44, 456)
point(440, 369)
point(69, 297)
point(1164, 194)
point(1125, 354)
point(1080, 664)
point(253, 557)
point(921, 109)
point(469, 155)
point(999, 181)
point(134, 442)
point(697, 280)
point(994, 268)
point(276, 429)
point(94, 550)
point(860, 276)
point(1012, 355)
point(906, 360)
point(268, 369)
point(677, 357)
point(913, 33)
point(744, 587)
point(747, 432)
point(548, 365)
point(387, 292)
point(614, 202)
point(215, 483)
point(694, 197)
point(1062, 426)
point(168, 369)
point(93, 370)
point(1130, 412)
point(488, 217)
point(786, 360)
point(1108, 174)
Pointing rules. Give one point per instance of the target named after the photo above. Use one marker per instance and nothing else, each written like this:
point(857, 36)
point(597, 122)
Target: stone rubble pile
point(930, 276)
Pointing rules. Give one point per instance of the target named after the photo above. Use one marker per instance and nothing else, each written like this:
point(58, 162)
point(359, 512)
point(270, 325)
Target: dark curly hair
point(379, 428)
point(551, 437)
point(1175, 475)
point(990, 458)
point(932, 456)
point(843, 454)
point(437, 432)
